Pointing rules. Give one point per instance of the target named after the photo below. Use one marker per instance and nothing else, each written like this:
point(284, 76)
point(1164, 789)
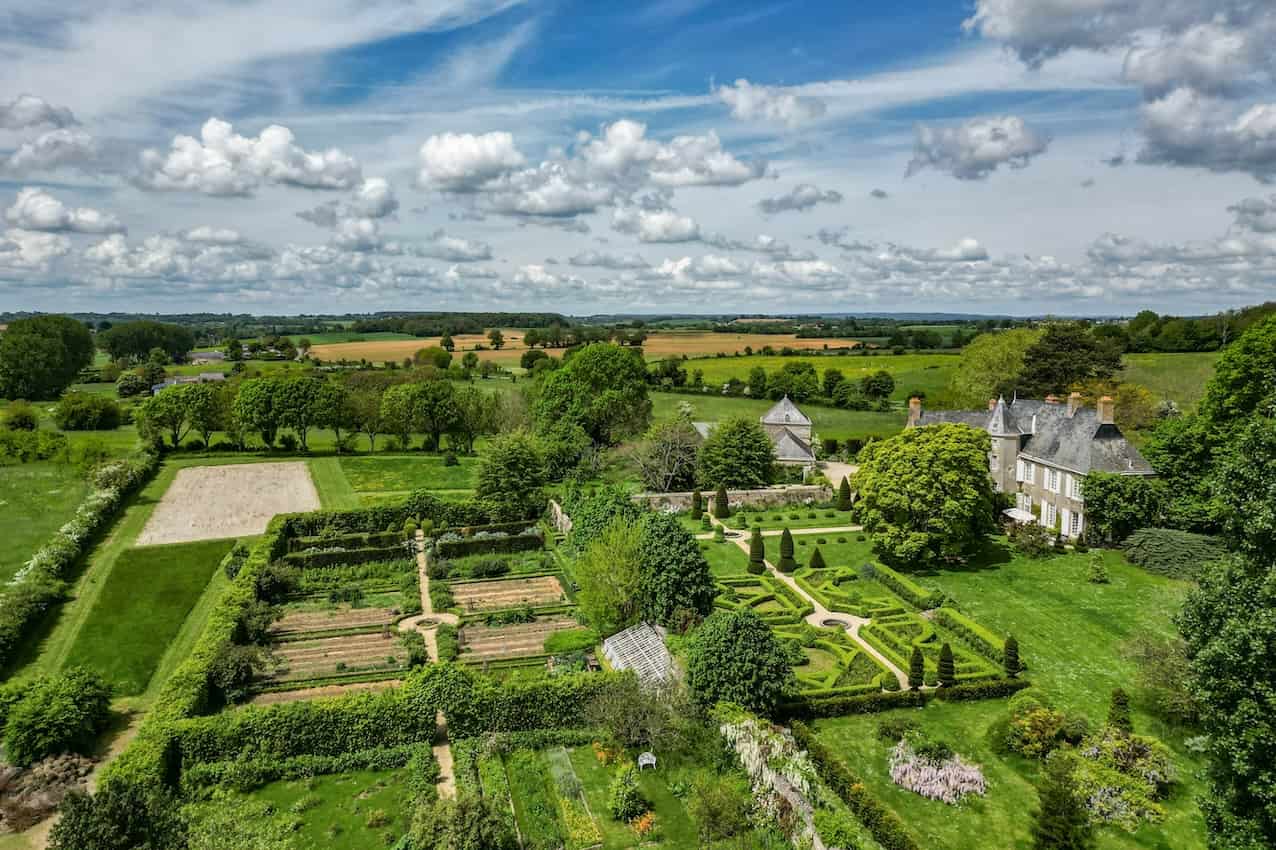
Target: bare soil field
point(299, 622)
point(481, 643)
point(657, 347)
point(511, 593)
point(235, 500)
point(306, 659)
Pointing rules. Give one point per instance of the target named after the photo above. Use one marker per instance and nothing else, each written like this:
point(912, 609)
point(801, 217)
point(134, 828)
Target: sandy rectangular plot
point(510, 593)
point(236, 500)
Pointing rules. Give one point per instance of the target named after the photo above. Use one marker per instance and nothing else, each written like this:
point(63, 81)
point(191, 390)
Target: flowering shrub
point(934, 771)
point(1123, 777)
point(645, 825)
point(778, 769)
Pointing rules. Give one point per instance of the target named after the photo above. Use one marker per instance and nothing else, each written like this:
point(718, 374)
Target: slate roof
point(785, 412)
point(1047, 433)
point(791, 448)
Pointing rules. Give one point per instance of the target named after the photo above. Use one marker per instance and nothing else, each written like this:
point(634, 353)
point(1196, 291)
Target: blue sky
point(1007, 156)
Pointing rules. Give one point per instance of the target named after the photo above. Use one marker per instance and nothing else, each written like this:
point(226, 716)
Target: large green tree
point(737, 454)
point(600, 387)
point(1244, 375)
point(41, 356)
point(434, 409)
point(735, 657)
point(1229, 625)
point(1066, 354)
point(609, 572)
point(1062, 821)
point(1244, 479)
point(297, 405)
point(925, 494)
point(1117, 505)
point(676, 585)
point(132, 342)
point(512, 476)
point(167, 412)
point(667, 457)
point(255, 409)
point(989, 366)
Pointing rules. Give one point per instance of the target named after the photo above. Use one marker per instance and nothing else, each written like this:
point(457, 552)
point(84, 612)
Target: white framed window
point(994, 462)
point(1074, 524)
point(1029, 472)
point(1052, 480)
point(1019, 471)
point(1023, 502)
point(1074, 488)
point(1049, 513)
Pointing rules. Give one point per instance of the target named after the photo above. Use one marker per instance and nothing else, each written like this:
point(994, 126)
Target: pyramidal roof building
point(789, 429)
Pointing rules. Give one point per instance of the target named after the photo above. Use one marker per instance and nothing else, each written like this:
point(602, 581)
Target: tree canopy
point(132, 342)
point(1065, 354)
point(41, 356)
point(737, 454)
point(667, 457)
point(675, 584)
point(735, 657)
point(512, 476)
point(608, 572)
point(989, 366)
point(925, 494)
point(602, 388)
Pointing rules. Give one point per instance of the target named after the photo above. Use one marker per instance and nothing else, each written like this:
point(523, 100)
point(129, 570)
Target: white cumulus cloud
point(35, 209)
point(222, 162)
point(976, 148)
point(655, 225)
point(462, 162)
point(801, 197)
point(27, 110)
point(751, 102)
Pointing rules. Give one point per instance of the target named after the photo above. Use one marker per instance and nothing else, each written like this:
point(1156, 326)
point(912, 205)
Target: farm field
point(828, 421)
point(407, 472)
point(658, 346)
point(1070, 634)
point(35, 500)
point(1178, 377)
point(928, 373)
point(150, 592)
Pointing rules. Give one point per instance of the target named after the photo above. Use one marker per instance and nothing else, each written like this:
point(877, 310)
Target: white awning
point(1019, 515)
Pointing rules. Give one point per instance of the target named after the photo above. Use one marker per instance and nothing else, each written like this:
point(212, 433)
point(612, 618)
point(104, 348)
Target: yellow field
point(657, 347)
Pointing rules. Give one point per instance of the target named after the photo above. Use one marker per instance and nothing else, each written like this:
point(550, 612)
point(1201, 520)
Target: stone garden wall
point(798, 494)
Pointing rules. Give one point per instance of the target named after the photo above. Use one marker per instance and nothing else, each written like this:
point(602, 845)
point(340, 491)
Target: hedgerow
point(247, 774)
point(814, 707)
point(974, 635)
point(910, 591)
point(40, 583)
point(879, 819)
point(1170, 552)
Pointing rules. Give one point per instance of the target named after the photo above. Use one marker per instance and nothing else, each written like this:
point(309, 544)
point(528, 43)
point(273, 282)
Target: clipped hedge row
point(972, 633)
point(492, 527)
point(420, 505)
point(343, 557)
point(1172, 553)
point(919, 596)
point(505, 544)
point(41, 582)
point(355, 540)
point(814, 707)
point(324, 727)
point(475, 704)
point(880, 820)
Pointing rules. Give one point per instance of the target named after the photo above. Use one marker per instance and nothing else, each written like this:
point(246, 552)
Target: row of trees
point(737, 453)
point(798, 379)
point(267, 406)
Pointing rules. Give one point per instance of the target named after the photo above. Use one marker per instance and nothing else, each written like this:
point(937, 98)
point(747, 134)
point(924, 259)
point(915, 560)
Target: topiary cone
point(844, 495)
point(697, 504)
point(1010, 657)
point(916, 669)
point(947, 668)
point(817, 559)
point(787, 564)
point(757, 553)
point(721, 509)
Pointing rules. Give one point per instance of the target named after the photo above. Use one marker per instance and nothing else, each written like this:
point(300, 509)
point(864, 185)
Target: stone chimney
point(914, 410)
point(1074, 403)
point(992, 404)
point(1052, 399)
point(1107, 411)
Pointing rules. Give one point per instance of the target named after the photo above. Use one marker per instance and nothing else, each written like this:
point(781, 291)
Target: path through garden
point(823, 616)
point(428, 623)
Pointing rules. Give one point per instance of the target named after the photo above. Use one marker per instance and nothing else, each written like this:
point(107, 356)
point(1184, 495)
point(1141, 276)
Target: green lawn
point(853, 553)
point(1178, 377)
point(1002, 818)
point(151, 591)
point(828, 421)
point(793, 518)
point(332, 484)
point(365, 810)
point(1070, 634)
point(725, 559)
point(35, 500)
point(926, 373)
point(403, 473)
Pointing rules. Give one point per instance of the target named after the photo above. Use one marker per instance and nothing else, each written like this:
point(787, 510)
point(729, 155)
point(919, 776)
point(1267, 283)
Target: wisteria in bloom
point(948, 780)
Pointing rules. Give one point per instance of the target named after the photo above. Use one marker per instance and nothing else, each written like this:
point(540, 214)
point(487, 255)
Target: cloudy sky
point(1006, 156)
